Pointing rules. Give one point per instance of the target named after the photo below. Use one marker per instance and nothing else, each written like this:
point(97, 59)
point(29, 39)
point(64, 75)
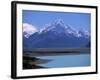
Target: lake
point(73, 60)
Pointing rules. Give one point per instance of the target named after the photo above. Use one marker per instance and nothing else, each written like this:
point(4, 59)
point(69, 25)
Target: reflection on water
point(77, 60)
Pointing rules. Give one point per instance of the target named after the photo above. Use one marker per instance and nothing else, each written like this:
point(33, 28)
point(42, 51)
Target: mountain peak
point(57, 26)
point(59, 21)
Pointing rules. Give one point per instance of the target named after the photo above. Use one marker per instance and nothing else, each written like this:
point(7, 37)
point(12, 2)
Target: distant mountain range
point(57, 35)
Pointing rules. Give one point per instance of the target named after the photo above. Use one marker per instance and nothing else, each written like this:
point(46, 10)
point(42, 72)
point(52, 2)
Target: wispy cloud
point(29, 29)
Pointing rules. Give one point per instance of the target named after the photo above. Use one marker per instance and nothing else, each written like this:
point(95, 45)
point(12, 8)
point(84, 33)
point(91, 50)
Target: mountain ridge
point(57, 35)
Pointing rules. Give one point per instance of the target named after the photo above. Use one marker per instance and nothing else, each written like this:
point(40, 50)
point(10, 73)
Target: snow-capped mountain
point(60, 27)
point(57, 35)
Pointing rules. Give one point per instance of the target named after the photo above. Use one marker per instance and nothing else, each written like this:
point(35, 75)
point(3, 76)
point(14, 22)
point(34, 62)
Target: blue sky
point(40, 18)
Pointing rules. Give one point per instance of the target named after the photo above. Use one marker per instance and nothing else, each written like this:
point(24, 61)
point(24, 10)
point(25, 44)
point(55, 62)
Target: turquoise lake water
point(75, 60)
